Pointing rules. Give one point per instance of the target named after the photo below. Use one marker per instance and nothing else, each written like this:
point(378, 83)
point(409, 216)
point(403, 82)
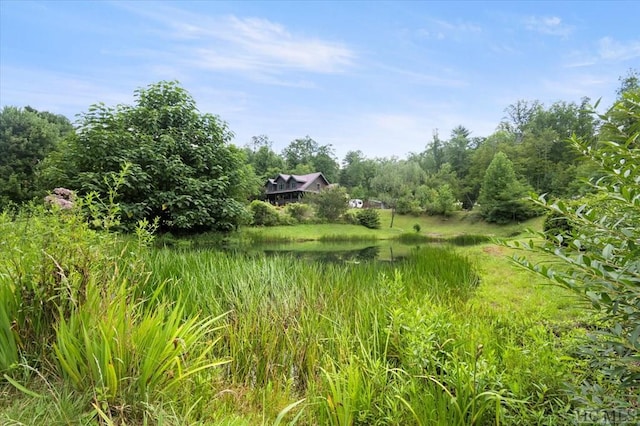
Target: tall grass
point(362, 343)
point(136, 331)
point(73, 309)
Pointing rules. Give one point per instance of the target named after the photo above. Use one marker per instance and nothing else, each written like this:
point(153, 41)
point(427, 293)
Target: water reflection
point(334, 256)
point(330, 252)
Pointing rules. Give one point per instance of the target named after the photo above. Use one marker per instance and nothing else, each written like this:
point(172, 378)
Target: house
point(291, 188)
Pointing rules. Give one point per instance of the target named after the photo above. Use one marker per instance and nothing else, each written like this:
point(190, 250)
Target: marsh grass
point(373, 342)
point(133, 334)
point(73, 310)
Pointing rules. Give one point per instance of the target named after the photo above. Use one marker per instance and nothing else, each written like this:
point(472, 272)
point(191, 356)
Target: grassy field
point(110, 332)
point(460, 223)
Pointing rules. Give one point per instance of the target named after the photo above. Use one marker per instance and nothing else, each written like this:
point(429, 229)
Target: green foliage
point(75, 308)
point(601, 263)
point(331, 203)
point(351, 217)
point(263, 214)
point(557, 228)
point(129, 353)
point(183, 169)
point(369, 218)
point(300, 212)
point(26, 137)
point(49, 257)
point(408, 205)
point(502, 195)
point(305, 155)
point(444, 203)
point(416, 227)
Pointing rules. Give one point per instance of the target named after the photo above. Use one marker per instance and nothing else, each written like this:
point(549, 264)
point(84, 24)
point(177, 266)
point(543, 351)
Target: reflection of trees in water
point(338, 256)
point(368, 253)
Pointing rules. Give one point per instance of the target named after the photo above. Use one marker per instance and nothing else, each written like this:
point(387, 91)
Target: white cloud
point(458, 27)
point(426, 79)
point(550, 25)
point(439, 29)
point(253, 46)
point(610, 49)
point(62, 93)
point(605, 50)
point(575, 86)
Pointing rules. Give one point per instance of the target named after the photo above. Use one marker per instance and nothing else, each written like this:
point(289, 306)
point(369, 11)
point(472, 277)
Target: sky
point(375, 76)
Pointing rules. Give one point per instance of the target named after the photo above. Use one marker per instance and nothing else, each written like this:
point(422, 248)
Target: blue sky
point(375, 76)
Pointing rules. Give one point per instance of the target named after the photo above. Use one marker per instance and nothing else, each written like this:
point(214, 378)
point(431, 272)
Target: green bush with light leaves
point(602, 260)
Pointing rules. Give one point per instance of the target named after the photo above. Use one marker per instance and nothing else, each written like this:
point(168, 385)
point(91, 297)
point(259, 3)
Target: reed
point(143, 334)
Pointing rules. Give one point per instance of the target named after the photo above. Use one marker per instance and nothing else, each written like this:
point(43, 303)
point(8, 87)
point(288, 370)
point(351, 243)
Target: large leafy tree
point(305, 155)
point(501, 195)
point(180, 165)
point(265, 161)
point(26, 137)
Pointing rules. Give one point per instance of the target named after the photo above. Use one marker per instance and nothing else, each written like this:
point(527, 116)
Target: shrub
point(416, 227)
point(369, 218)
point(351, 217)
point(264, 214)
point(557, 228)
point(601, 262)
point(331, 202)
point(300, 212)
point(408, 205)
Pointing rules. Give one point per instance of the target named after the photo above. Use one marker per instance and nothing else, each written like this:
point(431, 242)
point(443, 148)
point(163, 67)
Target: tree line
point(164, 159)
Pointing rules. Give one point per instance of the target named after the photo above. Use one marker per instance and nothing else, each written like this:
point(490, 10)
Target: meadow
point(100, 329)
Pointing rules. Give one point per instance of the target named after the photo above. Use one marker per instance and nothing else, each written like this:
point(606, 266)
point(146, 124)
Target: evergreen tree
point(501, 195)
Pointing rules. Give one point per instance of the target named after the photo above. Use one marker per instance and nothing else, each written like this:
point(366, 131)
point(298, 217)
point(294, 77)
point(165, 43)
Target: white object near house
point(355, 203)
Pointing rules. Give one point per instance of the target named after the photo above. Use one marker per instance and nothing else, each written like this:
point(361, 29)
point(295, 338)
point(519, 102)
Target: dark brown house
point(291, 188)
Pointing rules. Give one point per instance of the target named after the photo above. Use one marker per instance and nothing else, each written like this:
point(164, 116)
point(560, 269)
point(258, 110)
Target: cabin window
point(318, 186)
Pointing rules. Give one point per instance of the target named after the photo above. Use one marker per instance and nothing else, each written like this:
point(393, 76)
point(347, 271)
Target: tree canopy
point(501, 196)
point(26, 138)
point(180, 166)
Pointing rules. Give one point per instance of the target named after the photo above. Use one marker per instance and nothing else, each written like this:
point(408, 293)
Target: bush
point(331, 203)
point(601, 262)
point(369, 218)
point(264, 214)
point(557, 228)
point(351, 217)
point(408, 206)
point(300, 212)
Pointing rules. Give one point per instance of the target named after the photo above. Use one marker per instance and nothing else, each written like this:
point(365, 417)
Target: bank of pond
point(97, 330)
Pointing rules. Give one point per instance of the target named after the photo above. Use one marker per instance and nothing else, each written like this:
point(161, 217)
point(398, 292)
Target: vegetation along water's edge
point(116, 308)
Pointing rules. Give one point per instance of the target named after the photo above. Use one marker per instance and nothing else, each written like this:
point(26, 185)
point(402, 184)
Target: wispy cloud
point(62, 93)
point(576, 86)
point(439, 29)
point(610, 49)
point(425, 79)
point(253, 46)
point(606, 50)
point(549, 25)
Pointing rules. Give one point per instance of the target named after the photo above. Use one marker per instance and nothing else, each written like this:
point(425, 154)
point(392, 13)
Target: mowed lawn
point(460, 223)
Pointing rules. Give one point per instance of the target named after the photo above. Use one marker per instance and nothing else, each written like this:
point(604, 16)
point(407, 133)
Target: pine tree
point(501, 196)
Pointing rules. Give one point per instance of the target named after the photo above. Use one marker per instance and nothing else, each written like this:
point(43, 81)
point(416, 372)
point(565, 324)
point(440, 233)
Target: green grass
point(435, 227)
point(444, 336)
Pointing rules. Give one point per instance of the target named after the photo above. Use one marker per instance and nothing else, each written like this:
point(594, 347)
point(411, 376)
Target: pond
point(336, 251)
